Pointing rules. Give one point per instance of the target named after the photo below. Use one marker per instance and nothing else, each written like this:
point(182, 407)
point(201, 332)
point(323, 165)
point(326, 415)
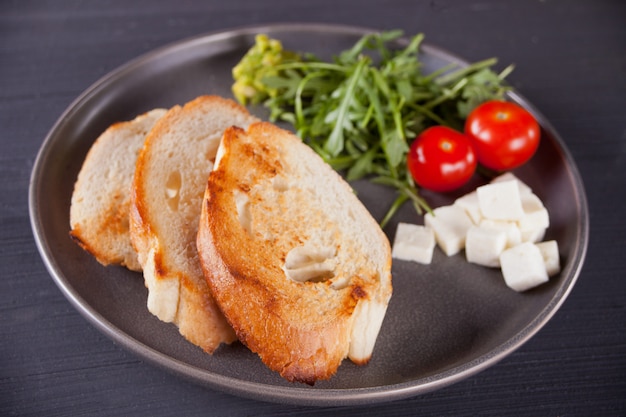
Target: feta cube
point(500, 201)
point(530, 202)
point(535, 221)
point(533, 226)
point(483, 246)
point(533, 235)
point(469, 202)
point(550, 253)
point(450, 225)
point(513, 234)
point(413, 243)
point(523, 267)
point(509, 176)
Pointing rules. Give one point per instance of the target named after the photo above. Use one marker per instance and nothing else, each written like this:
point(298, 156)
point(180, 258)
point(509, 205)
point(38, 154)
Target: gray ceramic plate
point(445, 322)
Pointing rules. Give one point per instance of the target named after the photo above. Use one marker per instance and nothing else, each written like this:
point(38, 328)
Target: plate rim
point(294, 394)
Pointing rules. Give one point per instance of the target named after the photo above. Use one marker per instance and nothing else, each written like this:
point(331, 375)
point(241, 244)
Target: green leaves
point(339, 118)
point(361, 111)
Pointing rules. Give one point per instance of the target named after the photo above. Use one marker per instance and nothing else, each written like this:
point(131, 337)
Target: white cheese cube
point(450, 225)
point(533, 235)
point(483, 246)
point(500, 201)
point(523, 267)
point(533, 225)
point(508, 176)
point(413, 243)
point(469, 202)
point(535, 221)
point(530, 202)
point(513, 234)
point(550, 253)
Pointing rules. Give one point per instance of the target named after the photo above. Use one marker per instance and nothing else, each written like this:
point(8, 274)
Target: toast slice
point(294, 260)
point(168, 187)
point(101, 197)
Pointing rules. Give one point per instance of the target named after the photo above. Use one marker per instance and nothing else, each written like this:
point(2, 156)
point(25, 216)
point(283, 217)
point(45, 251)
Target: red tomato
point(441, 159)
point(504, 134)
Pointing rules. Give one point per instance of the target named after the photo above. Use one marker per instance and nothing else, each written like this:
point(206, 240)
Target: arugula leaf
point(360, 111)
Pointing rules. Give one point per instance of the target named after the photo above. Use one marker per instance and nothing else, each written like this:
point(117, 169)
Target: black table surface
point(570, 61)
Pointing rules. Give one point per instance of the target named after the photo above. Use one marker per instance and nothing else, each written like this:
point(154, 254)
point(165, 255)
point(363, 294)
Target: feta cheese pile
point(499, 225)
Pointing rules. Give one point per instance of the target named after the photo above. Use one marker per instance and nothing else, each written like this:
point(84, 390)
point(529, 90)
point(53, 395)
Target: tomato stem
point(502, 115)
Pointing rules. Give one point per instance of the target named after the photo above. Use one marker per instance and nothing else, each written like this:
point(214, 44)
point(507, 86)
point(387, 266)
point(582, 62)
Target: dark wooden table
point(571, 64)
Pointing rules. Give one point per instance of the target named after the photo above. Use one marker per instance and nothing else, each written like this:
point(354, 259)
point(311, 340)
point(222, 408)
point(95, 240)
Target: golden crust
point(101, 199)
point(299, 329)
point(196, 314)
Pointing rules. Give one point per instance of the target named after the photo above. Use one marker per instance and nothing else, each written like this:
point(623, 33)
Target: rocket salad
point(362, 110)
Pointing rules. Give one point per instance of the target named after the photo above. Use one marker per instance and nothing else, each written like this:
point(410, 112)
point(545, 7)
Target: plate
point(445, 322)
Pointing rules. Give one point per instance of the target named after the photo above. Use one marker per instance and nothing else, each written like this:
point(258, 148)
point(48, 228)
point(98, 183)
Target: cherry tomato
point(441, 159)
point(504, 134)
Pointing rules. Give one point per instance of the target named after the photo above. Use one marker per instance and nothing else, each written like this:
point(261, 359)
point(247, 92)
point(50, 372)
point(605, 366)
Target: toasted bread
point(101, 198)
point(297, 264)
point(168, 186)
